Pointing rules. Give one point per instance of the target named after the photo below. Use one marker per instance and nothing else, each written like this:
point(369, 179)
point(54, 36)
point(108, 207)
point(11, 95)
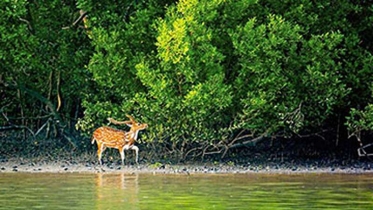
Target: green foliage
point(286, 80)
point(186, 82)
point(205, 72)
point(360, 120)
point(42, 58)
point(121, 40)
point(201, 73)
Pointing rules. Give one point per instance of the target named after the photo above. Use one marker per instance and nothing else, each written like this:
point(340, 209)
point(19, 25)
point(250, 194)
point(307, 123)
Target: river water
point(195, 191)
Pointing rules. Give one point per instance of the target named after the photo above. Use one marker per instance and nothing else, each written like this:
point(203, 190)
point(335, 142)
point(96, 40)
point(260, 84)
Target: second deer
point(107, 137)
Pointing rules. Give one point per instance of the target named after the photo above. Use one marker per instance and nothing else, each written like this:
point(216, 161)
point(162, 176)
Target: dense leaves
point(207, 75)
point(42, 58)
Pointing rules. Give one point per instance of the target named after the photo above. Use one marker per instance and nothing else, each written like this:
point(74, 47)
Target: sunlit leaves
point(172, 46)
point(281, 69)
point(188, 81)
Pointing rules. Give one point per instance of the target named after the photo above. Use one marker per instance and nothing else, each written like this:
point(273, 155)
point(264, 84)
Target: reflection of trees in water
point(117, 190)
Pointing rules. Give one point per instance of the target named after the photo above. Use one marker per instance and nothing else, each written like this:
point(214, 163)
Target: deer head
point(133, 124)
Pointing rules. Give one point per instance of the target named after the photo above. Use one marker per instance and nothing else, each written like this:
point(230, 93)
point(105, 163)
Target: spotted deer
point(107, 137)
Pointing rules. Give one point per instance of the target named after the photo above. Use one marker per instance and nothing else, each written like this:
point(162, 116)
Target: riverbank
point(20, 165)
point(282, 158)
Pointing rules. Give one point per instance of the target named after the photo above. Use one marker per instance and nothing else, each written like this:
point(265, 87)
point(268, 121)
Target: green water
point(147, 191)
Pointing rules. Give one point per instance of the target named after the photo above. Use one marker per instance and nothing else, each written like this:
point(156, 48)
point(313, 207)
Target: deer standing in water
point(107, 137)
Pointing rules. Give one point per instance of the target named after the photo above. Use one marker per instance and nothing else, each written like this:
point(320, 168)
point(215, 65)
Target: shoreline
point(19, 166)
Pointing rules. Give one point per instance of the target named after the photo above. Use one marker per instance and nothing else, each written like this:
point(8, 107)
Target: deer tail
point(93, 140)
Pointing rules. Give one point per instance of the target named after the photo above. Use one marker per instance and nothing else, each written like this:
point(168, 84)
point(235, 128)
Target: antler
point(111, 120)
point(131, 118)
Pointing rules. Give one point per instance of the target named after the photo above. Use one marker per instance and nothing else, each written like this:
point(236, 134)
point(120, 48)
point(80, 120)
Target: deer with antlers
point(107, 137)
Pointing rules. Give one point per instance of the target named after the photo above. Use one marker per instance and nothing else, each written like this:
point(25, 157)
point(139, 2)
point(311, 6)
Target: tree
point(209, 76)
point(43, 56)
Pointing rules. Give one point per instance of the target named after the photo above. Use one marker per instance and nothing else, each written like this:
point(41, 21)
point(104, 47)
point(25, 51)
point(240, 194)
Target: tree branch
point(44, 100)
point(11, 127)
point(247, 142)
point(83, 14)
point(28, 24)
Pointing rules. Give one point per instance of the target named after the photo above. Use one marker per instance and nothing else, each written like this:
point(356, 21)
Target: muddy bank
point(292, 158)
point(15, 165)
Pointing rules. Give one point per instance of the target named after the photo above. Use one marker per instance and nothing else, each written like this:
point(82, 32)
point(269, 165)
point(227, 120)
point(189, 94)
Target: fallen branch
point(361, 150)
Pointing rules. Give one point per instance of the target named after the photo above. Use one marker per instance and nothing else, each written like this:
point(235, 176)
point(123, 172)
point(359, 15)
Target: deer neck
point(133, 134)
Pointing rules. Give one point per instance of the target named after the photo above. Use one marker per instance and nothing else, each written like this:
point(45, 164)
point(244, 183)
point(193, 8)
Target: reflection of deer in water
point(112, 189)
point(107, 137)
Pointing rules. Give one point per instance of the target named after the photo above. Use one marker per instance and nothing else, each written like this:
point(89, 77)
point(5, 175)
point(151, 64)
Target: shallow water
point(196, 191)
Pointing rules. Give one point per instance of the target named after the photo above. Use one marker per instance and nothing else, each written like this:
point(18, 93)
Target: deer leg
point(99, 152)
point(121, 151)
point(101, 148)
point(137, 153)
